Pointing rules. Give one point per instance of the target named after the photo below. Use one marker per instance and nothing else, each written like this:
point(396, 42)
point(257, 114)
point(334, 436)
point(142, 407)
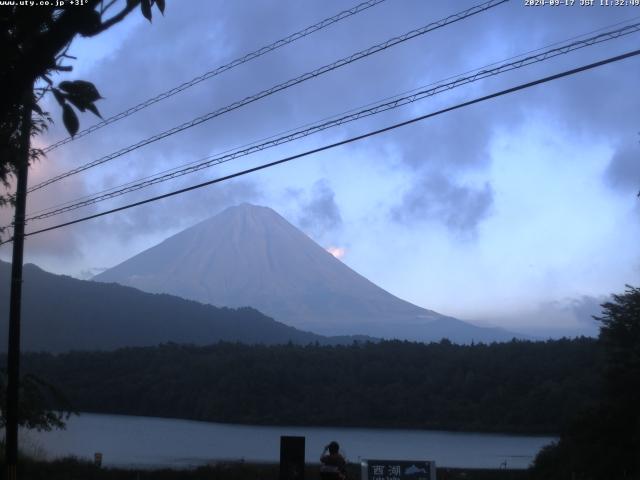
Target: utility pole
point(13, 357)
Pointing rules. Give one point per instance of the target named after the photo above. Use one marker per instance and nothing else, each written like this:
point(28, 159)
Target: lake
point(153, 442)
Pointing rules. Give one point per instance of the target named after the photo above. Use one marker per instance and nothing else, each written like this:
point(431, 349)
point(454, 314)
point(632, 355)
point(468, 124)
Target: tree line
point(519, 386)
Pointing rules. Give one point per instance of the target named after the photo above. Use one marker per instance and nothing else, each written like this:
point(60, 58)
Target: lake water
point(154, 442)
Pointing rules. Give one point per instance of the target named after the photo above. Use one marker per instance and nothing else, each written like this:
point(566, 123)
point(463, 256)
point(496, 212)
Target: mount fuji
point(251, 256)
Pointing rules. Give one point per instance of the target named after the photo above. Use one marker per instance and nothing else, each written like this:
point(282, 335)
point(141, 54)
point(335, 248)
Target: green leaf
point(82, 95)
point(145, 6)
point(70, 119)
point(93, 109)
point(65, 85)
point(82, 89)
point(60, 97)
point(161, 6)
point(77, 102)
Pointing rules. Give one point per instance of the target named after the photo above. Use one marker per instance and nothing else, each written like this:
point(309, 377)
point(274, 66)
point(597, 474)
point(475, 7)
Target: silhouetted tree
point(620, 336)
point(34, 44)
point(42, 406)
point(34, 41)
point(605, 442)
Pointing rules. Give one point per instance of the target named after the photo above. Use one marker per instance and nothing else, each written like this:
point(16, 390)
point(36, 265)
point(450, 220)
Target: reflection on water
point(147, 441)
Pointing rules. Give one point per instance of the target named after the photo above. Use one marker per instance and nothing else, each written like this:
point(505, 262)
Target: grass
point(74, 469)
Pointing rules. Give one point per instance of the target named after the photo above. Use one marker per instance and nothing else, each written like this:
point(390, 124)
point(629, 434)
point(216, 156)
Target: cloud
point(320, 213)
point(437, 155)
point(89, 273)
point(65, 244)
point(436, 198)
point(584, 109)
point(181, 211)
point(623, 172)
point(451, 142)
point(584, 308)
point(572, 316)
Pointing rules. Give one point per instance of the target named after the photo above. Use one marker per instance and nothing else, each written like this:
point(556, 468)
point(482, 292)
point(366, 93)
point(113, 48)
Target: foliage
point(516, 386)
point(604, 443)
point(35, 41)
point(620, 337)
point(36, 396)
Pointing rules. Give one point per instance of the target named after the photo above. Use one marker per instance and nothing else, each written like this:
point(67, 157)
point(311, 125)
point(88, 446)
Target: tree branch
point(41, 54)
point(104, 8)
point(131, 5)
point(63, 53)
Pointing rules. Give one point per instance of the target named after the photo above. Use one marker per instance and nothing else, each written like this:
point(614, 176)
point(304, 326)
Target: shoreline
point(65, 468)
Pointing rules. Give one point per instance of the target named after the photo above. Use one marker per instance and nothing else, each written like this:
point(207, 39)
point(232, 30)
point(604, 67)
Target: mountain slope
point(249, 255)
point(61, 313)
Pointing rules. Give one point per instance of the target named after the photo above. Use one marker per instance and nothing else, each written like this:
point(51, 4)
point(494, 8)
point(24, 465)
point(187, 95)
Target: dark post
point(13, 357)
point(291, 458)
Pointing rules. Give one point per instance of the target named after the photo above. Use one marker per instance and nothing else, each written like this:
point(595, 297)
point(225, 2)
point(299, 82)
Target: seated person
point(332, 464)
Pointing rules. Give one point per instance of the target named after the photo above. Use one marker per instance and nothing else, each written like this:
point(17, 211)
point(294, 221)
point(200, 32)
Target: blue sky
point(519, 212)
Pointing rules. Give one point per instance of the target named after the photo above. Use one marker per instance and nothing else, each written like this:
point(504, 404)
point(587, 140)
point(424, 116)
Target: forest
point(519, 386)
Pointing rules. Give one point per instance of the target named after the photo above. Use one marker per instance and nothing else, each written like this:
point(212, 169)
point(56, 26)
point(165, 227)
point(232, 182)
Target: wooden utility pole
point(13, 357)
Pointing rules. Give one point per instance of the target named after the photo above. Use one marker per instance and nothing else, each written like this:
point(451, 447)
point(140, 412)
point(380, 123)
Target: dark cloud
point(436, 198)
point(173, 213)
point(586, 307)
point(578, 311)
point(568, 317)
point(623, 172)
point(165, 54)
point(189, 41)
point(585, 108)
point(451, 142)
point(320, 213)
point(436, 152)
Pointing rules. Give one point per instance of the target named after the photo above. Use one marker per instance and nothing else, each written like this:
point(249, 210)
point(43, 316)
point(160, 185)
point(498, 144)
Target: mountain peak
point(249, 255)
point(238, 215)
point(245, 208)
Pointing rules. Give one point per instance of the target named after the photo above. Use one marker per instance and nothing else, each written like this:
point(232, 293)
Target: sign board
point(398, 470)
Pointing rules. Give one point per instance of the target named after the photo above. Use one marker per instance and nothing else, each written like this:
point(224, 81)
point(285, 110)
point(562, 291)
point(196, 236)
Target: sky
point(520, 212)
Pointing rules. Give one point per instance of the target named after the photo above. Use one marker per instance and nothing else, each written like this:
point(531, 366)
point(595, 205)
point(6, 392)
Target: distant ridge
point(250, 255)
point(60, 313)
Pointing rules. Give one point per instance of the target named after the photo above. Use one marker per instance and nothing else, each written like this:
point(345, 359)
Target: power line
point(221, 69)
point(381, 107)
point(325, 119)
point(631, 19)
point(282, 86)
point(347, 141)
